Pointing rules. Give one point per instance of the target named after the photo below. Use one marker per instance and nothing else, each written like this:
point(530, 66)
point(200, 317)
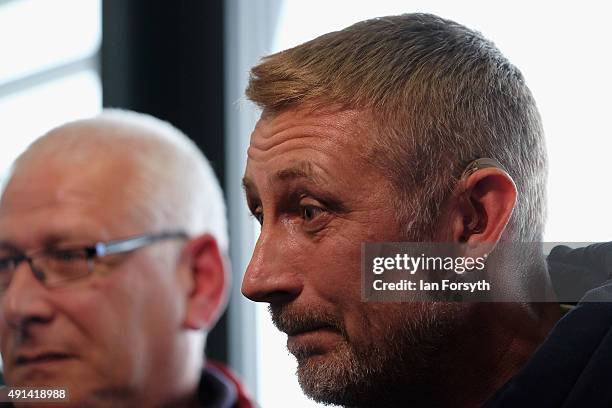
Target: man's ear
point(482, 205)
point(207, 282)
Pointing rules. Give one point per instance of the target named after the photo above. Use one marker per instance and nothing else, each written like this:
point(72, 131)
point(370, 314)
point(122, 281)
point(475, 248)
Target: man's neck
point(496, 346)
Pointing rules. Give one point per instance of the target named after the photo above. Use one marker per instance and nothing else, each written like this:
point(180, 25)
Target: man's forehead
point(29, 192)
point(302, 133)
point(44, 188)
point(53, 176)
point(319, 146)
point(322, 121)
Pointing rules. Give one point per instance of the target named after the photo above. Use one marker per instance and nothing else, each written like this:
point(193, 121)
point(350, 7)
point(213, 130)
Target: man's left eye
point(69, 255)
point(310, 212)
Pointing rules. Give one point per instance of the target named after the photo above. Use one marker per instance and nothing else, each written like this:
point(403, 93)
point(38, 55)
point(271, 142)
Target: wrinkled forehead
point(348, 124)
point(345, 133)
point(327, 150)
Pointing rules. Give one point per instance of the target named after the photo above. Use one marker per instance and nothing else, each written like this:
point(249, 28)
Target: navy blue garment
point(573, 366)
point(574, 272)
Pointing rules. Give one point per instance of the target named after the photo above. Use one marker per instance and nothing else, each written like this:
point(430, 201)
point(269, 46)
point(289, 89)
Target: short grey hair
point(435, 96)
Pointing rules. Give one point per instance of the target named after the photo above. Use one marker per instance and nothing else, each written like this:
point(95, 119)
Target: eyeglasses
point(59, 266)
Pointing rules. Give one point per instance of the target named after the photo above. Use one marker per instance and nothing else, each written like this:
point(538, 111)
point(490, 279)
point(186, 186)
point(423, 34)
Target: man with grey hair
point(406, 128)
point(112, 267)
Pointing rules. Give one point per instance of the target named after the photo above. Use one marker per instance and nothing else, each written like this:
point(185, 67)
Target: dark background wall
point(165, 58)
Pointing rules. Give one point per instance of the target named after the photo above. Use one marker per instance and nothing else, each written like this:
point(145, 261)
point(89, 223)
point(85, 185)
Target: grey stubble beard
point(392, 370)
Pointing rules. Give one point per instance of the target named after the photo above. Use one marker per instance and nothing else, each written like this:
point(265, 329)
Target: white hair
point(175, 184)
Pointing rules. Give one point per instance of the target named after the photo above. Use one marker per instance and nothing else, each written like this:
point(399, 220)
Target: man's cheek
point(343, 266)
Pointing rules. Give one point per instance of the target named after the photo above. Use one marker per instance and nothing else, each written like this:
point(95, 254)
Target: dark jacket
point(573, 367)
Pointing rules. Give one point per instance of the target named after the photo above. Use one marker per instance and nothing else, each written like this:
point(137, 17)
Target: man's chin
point(345, 377)
point(332, 377)
point(40, 377)
point(74, 382)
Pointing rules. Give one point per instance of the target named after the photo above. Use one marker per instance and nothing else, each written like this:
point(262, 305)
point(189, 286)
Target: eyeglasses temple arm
point(126, 245)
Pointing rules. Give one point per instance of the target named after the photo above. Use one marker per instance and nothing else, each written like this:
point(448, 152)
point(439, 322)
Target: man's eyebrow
point(300, 170)
point(49, 241)
point(54, 239)
point(247, 185)
point(7, 246)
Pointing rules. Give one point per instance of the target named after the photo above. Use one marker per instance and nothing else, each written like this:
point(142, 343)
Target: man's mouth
point(313, 340)
point(296, 331)
point(41, 358)
point(309, 331)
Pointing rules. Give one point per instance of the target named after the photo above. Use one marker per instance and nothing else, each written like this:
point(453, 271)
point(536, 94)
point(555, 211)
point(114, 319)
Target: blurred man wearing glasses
point(112, 235)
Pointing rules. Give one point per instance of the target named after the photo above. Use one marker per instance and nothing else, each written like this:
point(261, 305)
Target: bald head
point(151, 171)
point(124, 328)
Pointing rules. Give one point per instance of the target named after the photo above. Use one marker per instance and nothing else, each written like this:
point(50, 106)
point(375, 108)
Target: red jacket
point(220, 388)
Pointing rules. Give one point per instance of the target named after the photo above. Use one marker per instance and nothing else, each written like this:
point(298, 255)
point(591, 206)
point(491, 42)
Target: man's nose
point(25, 299)
point(269, 276)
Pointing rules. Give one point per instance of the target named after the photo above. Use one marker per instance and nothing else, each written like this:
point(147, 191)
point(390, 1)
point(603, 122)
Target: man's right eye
point(257, 213)
point(7, 264)
point(67, 255)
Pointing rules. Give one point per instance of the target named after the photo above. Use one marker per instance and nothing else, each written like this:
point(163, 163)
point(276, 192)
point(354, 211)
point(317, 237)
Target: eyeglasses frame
point(98, 250)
